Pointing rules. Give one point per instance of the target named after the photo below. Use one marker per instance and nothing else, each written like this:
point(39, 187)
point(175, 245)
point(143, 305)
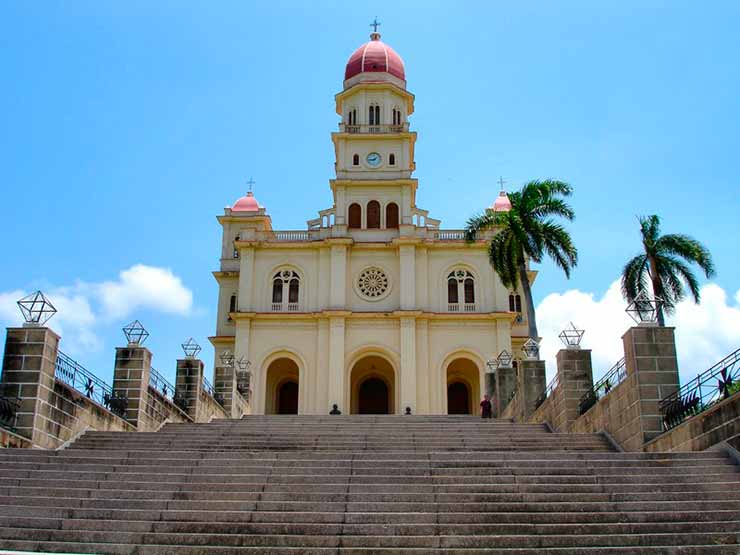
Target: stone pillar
point(490, 385)
point(131, 380)
point(424, 403)
point(224, 388)
point(408, 364)
point(532, 384)
point(337, 392)
point(575, 379)
point(188, 383)
point(29, 366)
point(407, 255)
point(650, 356)
point(337, 295)
point(505, 386)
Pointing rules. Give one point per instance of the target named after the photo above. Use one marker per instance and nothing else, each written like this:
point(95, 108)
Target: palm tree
point(525, 231)
point(661, 267)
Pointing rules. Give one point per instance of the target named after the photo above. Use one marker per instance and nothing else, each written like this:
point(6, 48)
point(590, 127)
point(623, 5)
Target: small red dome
point(246, 204)
point(375, 56)
point(502, 203)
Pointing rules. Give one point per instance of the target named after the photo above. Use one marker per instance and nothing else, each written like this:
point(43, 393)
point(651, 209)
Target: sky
point(128, 126)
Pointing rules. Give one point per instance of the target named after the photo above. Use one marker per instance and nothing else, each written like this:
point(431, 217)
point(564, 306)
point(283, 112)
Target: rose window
point(373, 283)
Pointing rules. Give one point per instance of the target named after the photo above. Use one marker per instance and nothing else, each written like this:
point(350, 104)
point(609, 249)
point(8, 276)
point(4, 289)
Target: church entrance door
point(372, 386)
point(458, 398)
point(288, 398)
point(373, 397)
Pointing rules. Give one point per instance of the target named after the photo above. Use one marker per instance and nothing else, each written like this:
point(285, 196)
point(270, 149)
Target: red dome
point(375, 56)
point(246, 204)
point(502, 203)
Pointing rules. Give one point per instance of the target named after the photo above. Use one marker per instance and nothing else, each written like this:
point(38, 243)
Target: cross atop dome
point(375, 24)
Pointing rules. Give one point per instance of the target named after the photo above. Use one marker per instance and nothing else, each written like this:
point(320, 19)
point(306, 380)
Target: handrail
point(160, 384)
point(707, 389)
point(552, 386)
point(72, 373)
point(616, 375)
point(207, 387)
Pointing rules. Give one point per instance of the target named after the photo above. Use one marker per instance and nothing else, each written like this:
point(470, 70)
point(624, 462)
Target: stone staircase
point(365, 484)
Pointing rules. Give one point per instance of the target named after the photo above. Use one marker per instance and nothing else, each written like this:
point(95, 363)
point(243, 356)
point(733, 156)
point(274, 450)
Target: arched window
point(392, 159)
point(373, 214)
point(352, 117)
point(355, 216)
point(374, 115)
point(391, 215)
point(460, 285)
point(396, 116)
point(232, 306)
point(286, 291)
point(355, 159)
point(515, 305)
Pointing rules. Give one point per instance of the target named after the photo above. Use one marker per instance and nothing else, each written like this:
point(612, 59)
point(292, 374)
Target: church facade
point(373, 307)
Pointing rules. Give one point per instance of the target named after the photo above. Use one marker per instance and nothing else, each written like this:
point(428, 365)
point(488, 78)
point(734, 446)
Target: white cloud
point(704, 333)
point(144, 287)
point(83, 307)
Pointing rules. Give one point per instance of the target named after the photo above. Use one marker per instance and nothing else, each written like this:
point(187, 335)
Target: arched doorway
point(372, 386)
point(463, 387)
point(281, 387)
point(458, 398)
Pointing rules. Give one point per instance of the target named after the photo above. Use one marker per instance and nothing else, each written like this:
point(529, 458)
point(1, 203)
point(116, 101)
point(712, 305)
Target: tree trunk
point(527, 290)
point(657, 289)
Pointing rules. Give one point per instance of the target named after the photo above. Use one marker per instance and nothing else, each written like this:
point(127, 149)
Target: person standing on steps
point(486, 408)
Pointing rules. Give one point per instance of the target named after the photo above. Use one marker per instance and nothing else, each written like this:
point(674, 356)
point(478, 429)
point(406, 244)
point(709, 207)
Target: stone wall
point(158, 409)
point(10, 440)
point(717, 424)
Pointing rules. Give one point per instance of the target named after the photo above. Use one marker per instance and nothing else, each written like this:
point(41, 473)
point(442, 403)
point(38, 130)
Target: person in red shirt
point(486, 408)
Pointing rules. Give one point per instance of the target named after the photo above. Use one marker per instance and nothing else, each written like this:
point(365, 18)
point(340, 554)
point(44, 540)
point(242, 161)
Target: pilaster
point(407, 255)
point(336, 364)
point(246, 279)
point(338, 276)
point(408, 364)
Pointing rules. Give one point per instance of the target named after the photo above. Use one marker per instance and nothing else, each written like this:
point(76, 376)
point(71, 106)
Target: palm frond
point(478, 223)
point(688, 248)
point(635, 278)
point(650, 230)
point(559, 246)
point(683, 272)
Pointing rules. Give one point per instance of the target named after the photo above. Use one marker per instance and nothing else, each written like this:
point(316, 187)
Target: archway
point(463, 387)
point(372, 386)
point(281, 387)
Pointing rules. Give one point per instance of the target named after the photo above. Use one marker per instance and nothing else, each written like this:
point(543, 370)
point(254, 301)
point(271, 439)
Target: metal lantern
point(243, 364)
point(491, 366)
point(531, 349)
point(135, 333)
point(227, 359)
point(36, 309)
point(191, 348)
point(644, 309)
point(504, 359)
point(571, 337)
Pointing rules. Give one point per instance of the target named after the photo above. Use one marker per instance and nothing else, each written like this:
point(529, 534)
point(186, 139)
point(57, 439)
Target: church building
point(373, 307)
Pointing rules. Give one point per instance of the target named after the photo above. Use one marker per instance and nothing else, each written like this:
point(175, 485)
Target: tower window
point(391, 215)
point(352, 116)
point(373, 214)
point(232, 306)
point(355, 216)
point(286, 286)
point(460, 285)
point(515, 304)
point(392, 159)
point(374, 115)
point(396, 116)
point(356, 160)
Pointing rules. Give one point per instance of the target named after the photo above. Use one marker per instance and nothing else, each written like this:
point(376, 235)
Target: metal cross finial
point(375, 24)
point(250, 183)
point(501, 182)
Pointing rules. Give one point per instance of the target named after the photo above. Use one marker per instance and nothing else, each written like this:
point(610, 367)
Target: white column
point(246, 279)
point(321, 383)
point(408, 276)
point(338, 276)
point(336, 364)
point(423, 374)
point(408, 364)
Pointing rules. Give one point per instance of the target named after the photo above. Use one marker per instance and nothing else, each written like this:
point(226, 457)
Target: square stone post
point(532, 384)
point(575, 379)
point(29, 366)
point(131, 380)
point(225, 388)
point(188, 383)
point(505, 386)
point(650, 356)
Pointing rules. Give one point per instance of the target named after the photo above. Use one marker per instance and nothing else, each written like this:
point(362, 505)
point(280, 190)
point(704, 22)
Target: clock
point(373, 159)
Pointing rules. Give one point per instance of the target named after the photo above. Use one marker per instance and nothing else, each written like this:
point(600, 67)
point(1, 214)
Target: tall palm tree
point(661, 267)
point(528, 230)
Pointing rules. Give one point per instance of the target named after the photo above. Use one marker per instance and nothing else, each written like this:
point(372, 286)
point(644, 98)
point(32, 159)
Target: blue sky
point(127, 126)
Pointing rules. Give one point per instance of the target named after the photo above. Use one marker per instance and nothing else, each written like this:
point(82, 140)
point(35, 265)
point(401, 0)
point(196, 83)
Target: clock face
point(373, 159)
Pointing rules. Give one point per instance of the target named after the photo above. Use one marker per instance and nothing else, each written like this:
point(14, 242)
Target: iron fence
point(72, 373)
point(709, 388)
point(207, 387)
point(161, 385)
point(552, 386)
point(616, 375)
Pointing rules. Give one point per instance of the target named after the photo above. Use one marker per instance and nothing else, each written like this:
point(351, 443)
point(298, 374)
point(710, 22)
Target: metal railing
point(552, 386)
point(709, 388)
point(161, 385)
point(207, 387)
point(616, 375)
point(79, 378)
